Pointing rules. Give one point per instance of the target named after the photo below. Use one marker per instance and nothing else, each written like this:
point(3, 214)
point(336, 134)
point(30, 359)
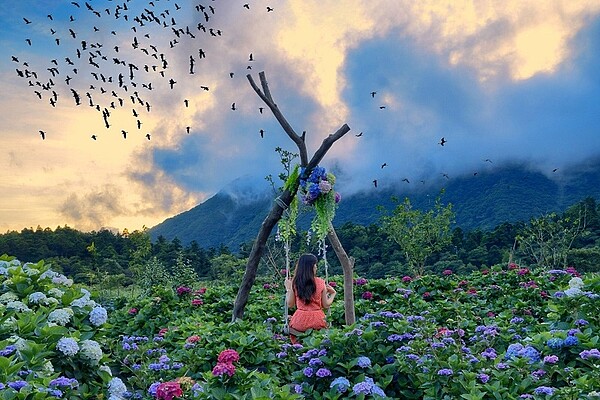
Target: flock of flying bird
point(107, 76)
point(129, 83)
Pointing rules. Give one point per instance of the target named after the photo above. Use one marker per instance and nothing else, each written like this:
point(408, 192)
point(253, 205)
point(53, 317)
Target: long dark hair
point(304, 277)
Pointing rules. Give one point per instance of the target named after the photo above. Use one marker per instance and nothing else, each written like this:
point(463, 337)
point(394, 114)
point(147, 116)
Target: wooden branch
point(265, 96)
point(348, 268)
point(284, 199)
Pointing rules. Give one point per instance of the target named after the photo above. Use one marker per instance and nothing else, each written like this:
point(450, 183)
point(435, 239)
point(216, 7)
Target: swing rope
point(323, 250)
point(280, 203)
point(286, 327)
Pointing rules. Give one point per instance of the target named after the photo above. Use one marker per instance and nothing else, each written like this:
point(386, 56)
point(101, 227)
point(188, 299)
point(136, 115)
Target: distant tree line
point(106, 257)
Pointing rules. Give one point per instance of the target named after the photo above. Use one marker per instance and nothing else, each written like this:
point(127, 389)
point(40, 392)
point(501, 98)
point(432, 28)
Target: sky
point(501, 81)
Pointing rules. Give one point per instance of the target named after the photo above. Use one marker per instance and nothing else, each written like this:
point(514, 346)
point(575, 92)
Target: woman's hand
point(288, 284)
point(330, 289)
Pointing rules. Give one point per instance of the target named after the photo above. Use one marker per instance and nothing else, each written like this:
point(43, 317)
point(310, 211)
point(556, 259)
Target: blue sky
point(502, 81)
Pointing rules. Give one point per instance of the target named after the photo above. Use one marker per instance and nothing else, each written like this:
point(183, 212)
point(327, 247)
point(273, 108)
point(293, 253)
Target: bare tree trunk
point(285, 198)
point(348, 268)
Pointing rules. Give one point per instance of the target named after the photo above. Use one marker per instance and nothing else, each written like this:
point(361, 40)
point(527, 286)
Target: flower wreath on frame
point(314, 190)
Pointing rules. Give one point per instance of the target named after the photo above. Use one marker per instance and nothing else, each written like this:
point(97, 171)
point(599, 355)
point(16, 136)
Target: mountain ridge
point(506, 194)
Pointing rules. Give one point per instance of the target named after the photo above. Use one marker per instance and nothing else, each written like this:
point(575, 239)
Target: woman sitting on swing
point(309, 294)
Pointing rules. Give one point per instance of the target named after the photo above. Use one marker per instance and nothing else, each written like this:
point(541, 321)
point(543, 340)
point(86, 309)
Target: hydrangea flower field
point(504, 333)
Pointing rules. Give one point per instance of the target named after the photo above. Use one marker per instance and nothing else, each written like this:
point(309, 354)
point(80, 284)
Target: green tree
point(548, 239)
point(420, 234)
point(183, 272)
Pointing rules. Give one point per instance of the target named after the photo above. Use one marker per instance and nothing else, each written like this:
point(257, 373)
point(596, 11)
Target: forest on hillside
point(108, 258)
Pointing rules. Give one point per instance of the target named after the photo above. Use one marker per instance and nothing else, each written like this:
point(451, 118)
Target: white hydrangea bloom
point(62, 280)
point(48, 274)
point(68, 346)
point(83, 302)
point(48, 368)
point(9, 324)
point(3, 270)
point(30, 271)
point(116, 387)
point(60, 316)
point(106, 369)
point(8, 297)
point(38, 298)
point(573, 292)
point(98, 316)
point(52, 301)
point(18, 341)
point(576, 282)
point(55, 292)
point(90, 351)
point(17, 306)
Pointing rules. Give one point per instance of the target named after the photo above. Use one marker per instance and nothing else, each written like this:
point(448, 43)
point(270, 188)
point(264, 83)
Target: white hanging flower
point(91, 351)
point(68, 346)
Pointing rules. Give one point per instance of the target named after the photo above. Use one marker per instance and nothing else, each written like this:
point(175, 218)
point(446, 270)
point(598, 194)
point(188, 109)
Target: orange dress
point(311, 315)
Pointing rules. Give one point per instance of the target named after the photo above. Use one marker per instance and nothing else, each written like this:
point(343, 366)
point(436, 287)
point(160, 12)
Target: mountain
point(508, 194)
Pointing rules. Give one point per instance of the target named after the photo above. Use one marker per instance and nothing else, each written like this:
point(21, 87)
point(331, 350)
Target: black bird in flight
point(148, 136)
point(247, 6)
point(555, 169)
point(94, 137)
point(373, 94)
point(261, 109)
point(124, 133)
point(383, 165)
point(381, 107)
point(27, 22)
point(187, 129)
point(442, 141)
point(43, 135)
point(375, 182)
point(262, 133)
point(269, 9)
point(488, 160)
point(250, 58)
point(233, 106)
point(231, 74)
point(186, 102)
point(172, 82)
point(445, 175)
point(359, 135)
point(405, 180)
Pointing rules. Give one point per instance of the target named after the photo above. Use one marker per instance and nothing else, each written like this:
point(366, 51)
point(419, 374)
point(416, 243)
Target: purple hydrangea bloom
point(308, 372)
point(341, 384)
point(545, 390)
point(571, 341)
point(483, 378)
point(587, 354)
point(363, 362)
point(323, 372)
point(445, 372)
